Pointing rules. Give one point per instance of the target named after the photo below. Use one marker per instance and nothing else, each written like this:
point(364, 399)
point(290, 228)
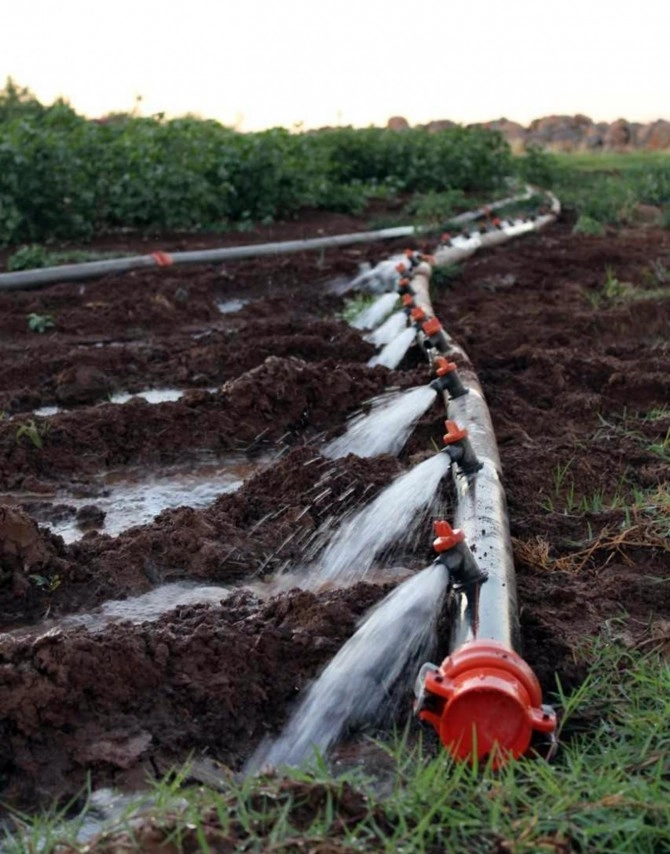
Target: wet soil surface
point(576, 375)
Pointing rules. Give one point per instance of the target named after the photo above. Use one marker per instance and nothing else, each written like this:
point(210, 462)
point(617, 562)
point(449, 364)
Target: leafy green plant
point(28, 258)
point(40, 322)
point(613, 288)
point(49, 584)
point(354, 306)
point(33, 431)
point(538, 167)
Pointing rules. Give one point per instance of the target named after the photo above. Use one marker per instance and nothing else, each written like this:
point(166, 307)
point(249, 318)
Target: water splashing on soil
point(364, 679)
point(393, 352)
point(383, 430)
point(389, 329)
point(393, 516)
point(374, 314)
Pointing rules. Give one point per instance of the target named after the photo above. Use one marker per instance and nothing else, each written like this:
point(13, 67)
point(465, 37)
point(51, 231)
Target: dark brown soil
point(573, 378)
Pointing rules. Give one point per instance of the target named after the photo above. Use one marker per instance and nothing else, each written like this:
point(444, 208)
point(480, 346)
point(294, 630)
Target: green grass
point(603, 189)
point(607, 790)
point(613, 160)
point(655, 285)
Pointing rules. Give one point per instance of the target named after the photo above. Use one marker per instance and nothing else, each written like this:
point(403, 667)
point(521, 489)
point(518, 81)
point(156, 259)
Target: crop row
point(65, 176)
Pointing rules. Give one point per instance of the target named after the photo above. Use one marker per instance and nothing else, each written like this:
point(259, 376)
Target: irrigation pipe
point(483, 699)
point(40, 278)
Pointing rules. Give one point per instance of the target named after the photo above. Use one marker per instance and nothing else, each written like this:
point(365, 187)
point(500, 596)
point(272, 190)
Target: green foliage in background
point(602, 188)
point(66, 177)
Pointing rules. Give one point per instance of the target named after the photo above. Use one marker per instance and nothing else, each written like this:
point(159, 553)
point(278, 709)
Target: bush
point(66, 177)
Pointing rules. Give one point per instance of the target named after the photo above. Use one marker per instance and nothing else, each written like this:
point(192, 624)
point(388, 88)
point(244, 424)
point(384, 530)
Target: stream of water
point(390, 329)
point(393, 352)
point(393, 516)
point(385, 429)
point(365, 679)
point(374, 314)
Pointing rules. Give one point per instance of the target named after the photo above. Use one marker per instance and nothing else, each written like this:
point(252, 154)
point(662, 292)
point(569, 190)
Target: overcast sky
point(258, 63)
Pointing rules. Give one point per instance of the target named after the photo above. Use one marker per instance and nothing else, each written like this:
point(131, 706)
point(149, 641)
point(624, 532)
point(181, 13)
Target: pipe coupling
point(483, 701)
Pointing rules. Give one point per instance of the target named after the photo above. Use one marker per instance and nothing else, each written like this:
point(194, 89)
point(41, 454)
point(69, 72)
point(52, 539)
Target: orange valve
point(454, 433)
point(459, 448)
point(483, 701)
point(444, 366)
point(407, 300)
point(447, 378)
point(447, 537)
point(418, 314)
point(453, 553)
point(432, 327)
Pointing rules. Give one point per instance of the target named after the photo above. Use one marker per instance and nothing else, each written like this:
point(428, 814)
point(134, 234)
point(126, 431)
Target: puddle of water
point(45, 411)
point(152, 395)
point(148, 607)
point(230, 306)
point(134, 497)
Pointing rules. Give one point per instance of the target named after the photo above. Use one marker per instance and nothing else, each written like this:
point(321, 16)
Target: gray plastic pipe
point(32, 279)
point(469, 216)
point(40, 278)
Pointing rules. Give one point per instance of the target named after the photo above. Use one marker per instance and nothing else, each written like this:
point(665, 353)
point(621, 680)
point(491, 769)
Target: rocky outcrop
point(562, 133)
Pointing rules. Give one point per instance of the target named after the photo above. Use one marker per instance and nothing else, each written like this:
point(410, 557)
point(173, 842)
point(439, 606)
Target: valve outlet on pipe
point(483, 701)
point(448, 379)
point(418, 316)
point(459, 448)
point(453, 552)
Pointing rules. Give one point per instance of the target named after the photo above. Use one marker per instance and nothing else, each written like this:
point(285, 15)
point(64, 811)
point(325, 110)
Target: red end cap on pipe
point(485, 701)
point(418, 314)
point(407, 300)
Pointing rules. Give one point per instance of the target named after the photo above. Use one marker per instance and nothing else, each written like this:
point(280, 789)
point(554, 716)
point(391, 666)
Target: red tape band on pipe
point(162, 259)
